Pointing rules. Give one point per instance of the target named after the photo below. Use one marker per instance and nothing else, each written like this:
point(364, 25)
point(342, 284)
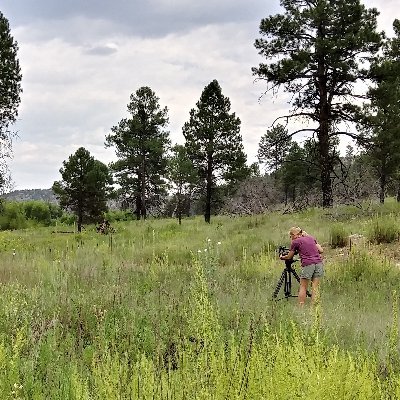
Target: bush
point(55, 211)
point(20, 215)
point(13, 216)
point(38, 211)
point(67, 218)
point(338, 236)
point(383, 230)
point(119, 215)
point(361, 267)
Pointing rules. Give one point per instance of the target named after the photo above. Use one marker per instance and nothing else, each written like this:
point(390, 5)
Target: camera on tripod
point(283, 251)
point(286, 276)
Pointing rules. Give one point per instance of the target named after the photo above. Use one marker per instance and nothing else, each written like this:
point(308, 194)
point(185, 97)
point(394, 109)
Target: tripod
point(286, 278)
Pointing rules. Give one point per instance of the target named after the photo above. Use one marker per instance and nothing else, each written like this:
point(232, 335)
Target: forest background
point(342, 75)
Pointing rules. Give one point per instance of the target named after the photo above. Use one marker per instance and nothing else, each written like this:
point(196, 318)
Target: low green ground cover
point(167, 311)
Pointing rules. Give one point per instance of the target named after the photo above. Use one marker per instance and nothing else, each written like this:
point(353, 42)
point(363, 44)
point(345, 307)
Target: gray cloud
point(81, 60)
point(142, 18)
point(101, 50)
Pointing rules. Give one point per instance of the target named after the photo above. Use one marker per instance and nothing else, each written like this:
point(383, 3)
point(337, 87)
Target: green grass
point(167, 311)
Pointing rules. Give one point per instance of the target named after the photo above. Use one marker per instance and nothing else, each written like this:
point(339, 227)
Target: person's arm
point(319, 247)
point(288, 256)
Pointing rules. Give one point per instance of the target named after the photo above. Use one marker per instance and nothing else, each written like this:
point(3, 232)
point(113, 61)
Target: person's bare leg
point(315, 289)
point(303, 290)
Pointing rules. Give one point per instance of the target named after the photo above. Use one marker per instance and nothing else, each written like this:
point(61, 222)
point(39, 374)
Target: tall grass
point(167, 311)
point(338, 235)
point(384, 230)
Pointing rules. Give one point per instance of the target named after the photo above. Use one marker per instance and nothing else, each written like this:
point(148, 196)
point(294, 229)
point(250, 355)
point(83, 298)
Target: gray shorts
point(312, 271)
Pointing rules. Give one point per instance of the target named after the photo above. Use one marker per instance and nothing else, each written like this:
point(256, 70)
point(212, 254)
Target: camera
point(283, 251)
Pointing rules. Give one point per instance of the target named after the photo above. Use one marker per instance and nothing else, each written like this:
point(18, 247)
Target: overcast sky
point(82, 59)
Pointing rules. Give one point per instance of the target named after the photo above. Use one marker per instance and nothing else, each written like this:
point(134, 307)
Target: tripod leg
point(298, 280)
point(279, 285)
point(295, 275)
point(288, 284)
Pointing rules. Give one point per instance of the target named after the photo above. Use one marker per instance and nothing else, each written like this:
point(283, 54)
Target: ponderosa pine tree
point(381, 118)
point(182, 176)
point(315, 52)
point(141, 144)
point(214, 143)
point(273, 148)
point(293, 171)
point(10, 90)
point(84, 188)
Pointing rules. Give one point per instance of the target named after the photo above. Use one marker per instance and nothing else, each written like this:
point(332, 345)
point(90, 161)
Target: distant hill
point(31, 194)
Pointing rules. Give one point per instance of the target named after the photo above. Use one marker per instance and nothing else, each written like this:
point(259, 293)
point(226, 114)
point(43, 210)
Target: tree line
point(148, 167)
point(342, 76)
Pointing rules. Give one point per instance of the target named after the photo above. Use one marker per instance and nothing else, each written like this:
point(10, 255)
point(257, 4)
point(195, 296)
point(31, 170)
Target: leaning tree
point(316, 51)
point(10, 90)
point(214, 143)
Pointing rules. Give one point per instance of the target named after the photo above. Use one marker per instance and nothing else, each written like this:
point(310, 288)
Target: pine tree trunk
point(323, 133)
point(398, 192)
point(382, 188)
point(138, 206)
point(325, 161)
point(179, 206)
point(207, 214)
point(327, 196)
point(80, 220)
point(143, 191)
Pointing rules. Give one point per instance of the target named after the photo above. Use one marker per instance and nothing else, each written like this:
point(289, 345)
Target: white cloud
point(70, 95)
point(389, 10)
point(81, 65)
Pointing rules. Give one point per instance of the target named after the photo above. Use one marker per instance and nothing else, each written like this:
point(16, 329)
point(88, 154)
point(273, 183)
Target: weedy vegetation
point(159, 310)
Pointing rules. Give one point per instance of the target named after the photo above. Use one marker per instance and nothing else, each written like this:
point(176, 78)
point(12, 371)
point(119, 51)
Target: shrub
point(119, 215)
point(383, 230)
point(338, 236)
point(67, 219)
point(55, 211)
point(37, 211)
point(13, 216)
point(20, 215)
point(360, 267)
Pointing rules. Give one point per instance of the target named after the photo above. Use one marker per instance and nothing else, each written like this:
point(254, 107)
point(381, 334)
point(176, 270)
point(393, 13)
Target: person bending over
point(312, 268)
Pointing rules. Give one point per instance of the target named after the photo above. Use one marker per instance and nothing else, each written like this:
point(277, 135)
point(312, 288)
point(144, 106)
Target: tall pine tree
point(141, 143)
point(10, 90)
point(381, 118)
point(214, 143)
point(315, 51)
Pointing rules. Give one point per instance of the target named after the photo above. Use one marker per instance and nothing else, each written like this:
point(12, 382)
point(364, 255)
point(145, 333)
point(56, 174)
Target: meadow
point(160, 310)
